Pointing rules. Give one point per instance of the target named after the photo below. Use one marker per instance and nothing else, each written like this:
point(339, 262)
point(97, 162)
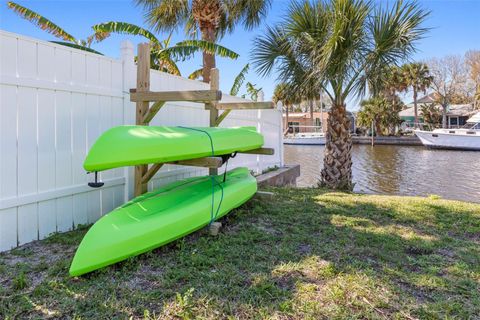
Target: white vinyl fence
point(54, 103)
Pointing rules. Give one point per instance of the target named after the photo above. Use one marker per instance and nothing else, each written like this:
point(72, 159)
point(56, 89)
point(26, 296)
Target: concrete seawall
point(401, 141)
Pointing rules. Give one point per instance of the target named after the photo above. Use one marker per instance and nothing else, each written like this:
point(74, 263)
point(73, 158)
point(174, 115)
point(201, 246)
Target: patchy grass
point(309, 254)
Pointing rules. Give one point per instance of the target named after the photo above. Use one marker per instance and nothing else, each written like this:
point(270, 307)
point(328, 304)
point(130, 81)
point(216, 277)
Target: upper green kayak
point(134, 145)
point(161, 216)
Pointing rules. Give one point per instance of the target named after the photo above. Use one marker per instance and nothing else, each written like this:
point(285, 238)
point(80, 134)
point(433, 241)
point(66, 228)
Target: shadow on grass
point(309, 253)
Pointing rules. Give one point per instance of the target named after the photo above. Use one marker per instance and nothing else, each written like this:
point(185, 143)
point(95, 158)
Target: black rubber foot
point(96, 184)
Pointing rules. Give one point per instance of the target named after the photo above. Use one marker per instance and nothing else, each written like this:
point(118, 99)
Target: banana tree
point(50, 27)
point(163, 56)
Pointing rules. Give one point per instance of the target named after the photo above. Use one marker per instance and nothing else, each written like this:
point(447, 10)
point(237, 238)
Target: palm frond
point(42, 22)
point(239, 79)
point(195, 74)
point(77, 46)
point(185, 49)
point(164, 62)
point(166, 14)
point(103, 30)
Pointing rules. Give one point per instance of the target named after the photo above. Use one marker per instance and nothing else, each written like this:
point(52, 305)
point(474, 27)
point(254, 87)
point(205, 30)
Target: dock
point(399, 141)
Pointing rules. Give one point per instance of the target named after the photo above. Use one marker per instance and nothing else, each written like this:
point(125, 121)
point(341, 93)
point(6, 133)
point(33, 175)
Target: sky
point(455, 29)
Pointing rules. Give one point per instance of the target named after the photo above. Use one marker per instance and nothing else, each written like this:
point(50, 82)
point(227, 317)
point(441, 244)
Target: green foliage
point(42, 22)
point(195, 74)
point(103, 30)
point(20, 282)
point(338, 44)
point(382, 111)
point(239, 79)
point(163, 56)
point(187, 48)
point(416, 76)
point(47, 25)
point(306, 254)
point(252, 91)
point(172, 14)
point(432, 115)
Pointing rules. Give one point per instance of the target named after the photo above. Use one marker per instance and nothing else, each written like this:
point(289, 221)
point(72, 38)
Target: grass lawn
point(308, 254)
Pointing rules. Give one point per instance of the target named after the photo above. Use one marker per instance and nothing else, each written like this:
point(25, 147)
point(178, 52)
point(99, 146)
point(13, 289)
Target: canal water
point(399, 170)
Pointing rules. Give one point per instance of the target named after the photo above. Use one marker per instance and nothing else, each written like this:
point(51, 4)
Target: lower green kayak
point(159, 217)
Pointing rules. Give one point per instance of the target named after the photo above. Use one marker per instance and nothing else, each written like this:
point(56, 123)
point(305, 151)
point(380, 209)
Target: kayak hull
point(159, 217)
point(135, 145)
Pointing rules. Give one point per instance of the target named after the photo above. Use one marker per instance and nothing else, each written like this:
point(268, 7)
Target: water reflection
point(399, 170)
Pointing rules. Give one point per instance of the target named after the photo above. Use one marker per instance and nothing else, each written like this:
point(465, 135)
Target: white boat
point(466, 138)
point(306, 138)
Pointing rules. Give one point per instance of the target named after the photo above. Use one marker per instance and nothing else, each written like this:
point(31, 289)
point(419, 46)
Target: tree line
point(453, 79)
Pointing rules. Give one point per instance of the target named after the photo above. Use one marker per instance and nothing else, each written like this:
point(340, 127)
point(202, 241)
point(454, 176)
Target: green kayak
point(159, 217)
point(134, 145)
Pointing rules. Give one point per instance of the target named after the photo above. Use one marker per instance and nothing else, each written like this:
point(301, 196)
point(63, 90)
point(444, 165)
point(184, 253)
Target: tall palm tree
point(163, 56)
point(339, 43)
point(50, 27)
point(417, 77)
point(213, 18)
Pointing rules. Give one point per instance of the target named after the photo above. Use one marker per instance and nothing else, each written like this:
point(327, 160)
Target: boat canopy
point(475, 118)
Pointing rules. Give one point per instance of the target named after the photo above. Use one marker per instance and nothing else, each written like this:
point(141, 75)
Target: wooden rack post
point(142, 96)
point(214, 85)
point(143, 85)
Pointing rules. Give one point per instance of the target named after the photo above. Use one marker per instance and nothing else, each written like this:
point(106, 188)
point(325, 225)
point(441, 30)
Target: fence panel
point(54, 103)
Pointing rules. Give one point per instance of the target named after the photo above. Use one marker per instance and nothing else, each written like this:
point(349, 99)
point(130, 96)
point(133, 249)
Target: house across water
point(457, 114)
point(302, 121)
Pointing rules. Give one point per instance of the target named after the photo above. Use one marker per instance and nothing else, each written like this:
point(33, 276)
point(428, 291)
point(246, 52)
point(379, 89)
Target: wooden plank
point(222, 117)
point(143, 85)
point(214, 85)
point(244, 105)
point(151, 172)
point(152, 112)
point(207, 162)
point(193, 95)
point(264, 151)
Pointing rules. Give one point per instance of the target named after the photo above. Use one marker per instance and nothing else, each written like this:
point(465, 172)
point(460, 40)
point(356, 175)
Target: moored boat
point(298, 136)
point(466, 138)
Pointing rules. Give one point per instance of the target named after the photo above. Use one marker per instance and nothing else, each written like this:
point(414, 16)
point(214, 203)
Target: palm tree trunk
point(337, 163)
point(415, 109)
point(378, 128)
point(208, 34)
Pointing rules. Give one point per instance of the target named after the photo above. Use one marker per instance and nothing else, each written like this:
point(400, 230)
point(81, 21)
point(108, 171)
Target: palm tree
point(163, 56)
point(287, 94)
point(416, 76)
point(339, 44)
point(213, 18)
point(50, 27)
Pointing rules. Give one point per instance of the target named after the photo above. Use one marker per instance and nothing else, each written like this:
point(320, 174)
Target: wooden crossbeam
point(207, 162)
point(151, 172)
point(194, 95)
point(152, 112)
point(243, 105)
point(264, 151)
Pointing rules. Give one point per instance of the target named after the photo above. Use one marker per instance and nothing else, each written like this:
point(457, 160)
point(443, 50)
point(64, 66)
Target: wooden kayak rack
point(145, 113)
